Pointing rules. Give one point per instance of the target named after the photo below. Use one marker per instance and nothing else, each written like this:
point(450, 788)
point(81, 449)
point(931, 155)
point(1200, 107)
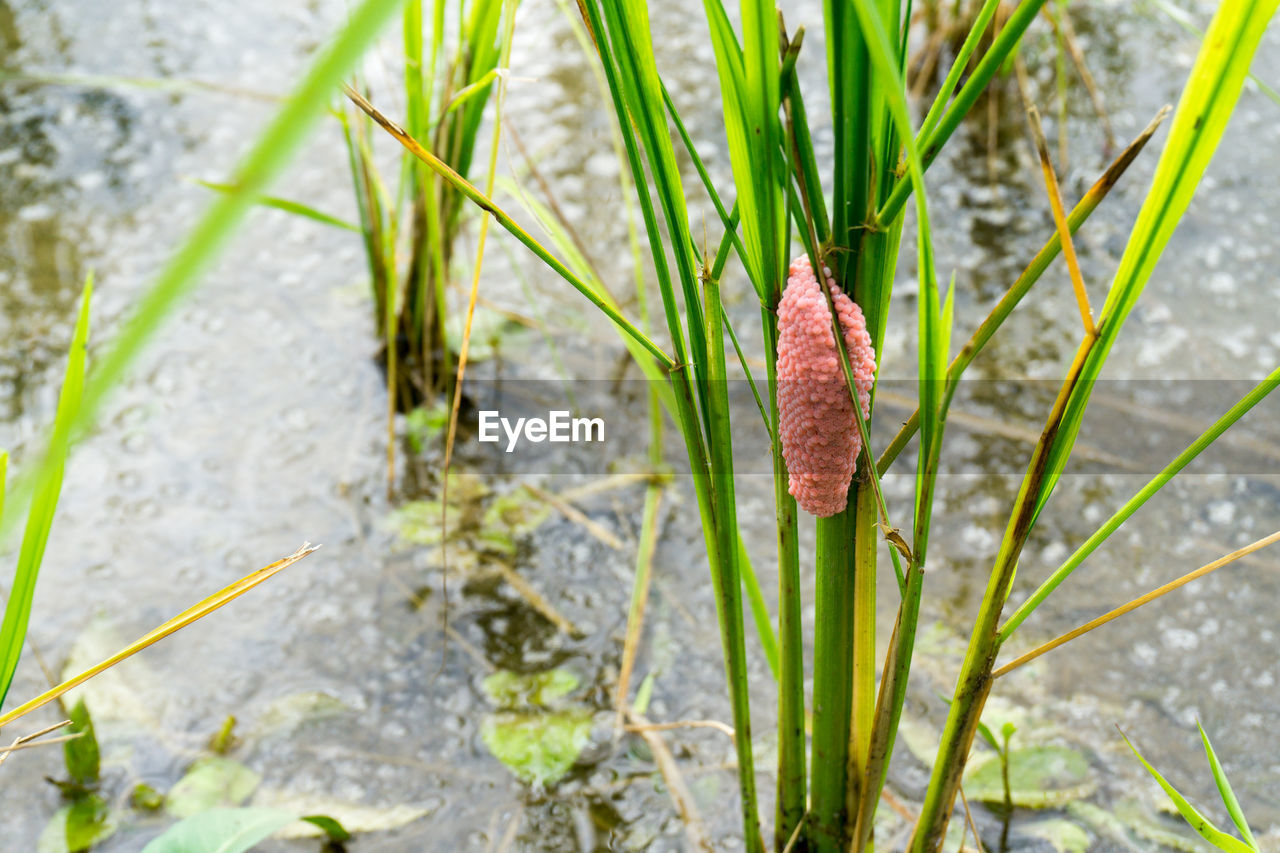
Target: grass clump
point(829, 784)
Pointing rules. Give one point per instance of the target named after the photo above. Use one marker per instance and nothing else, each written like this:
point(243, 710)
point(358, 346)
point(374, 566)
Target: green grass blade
point(849, 78)
point(1112, 524)
point(759, 610)
point(296, 208)
point(1182, 19)
point(1001, 49)
point(729, 219)
point(980, 23)
point(726, 576)
point(1224, 788)
point(268, 156)
point(800, 151)
point(1201, 824)
point(1210, 96)
point(17, 612)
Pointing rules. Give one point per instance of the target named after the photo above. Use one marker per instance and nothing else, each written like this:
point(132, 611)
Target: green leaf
point(267, 157)
point(146, 798)
point(425, 424)
point(292, 710)
point(1207, 102)
point(1224, 788)
point(1039, 777)
point(88, 822)
point(538, 747)
point(81, 754)
point(945, 325)
point(985, 731)
point(77, 826)
point(17, 612)
point(511, 690)
point(331, 827)
point(516, 513)
point(211, 782)
point(288, 206)
point(221, 831)
point(1063, 835)
point(1201, 824)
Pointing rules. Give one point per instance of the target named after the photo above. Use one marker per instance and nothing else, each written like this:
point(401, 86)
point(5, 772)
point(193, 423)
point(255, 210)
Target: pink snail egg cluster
point(820, 440)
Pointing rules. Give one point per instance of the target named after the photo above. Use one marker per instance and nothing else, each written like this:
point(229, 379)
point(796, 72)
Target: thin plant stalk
point(1133, 605)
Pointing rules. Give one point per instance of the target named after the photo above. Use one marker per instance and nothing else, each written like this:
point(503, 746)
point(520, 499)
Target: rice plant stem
point(1025, 281)
point(463, 186)
point(832, 681)
point(1136, 603)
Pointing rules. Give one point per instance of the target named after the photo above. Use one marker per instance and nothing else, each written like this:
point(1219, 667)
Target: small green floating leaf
point(146, 798)
point(1063, 835)
point(89, 821)
point(538, 748)
point(77, 827)
point(1039, 777)
point(221, 831)
point(518, 513)
point(424, 425)
point(537, 745)
point(297, 709)
point(417, 522)
point(211, 782)
point(511, 690)
point(81, 754)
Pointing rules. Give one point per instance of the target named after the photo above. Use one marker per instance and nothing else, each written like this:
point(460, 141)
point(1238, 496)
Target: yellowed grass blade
point(177, 623)
point(1060, 220)
point(1138, 602)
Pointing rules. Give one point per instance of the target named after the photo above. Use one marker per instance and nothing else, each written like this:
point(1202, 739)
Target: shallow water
point(256, 422)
